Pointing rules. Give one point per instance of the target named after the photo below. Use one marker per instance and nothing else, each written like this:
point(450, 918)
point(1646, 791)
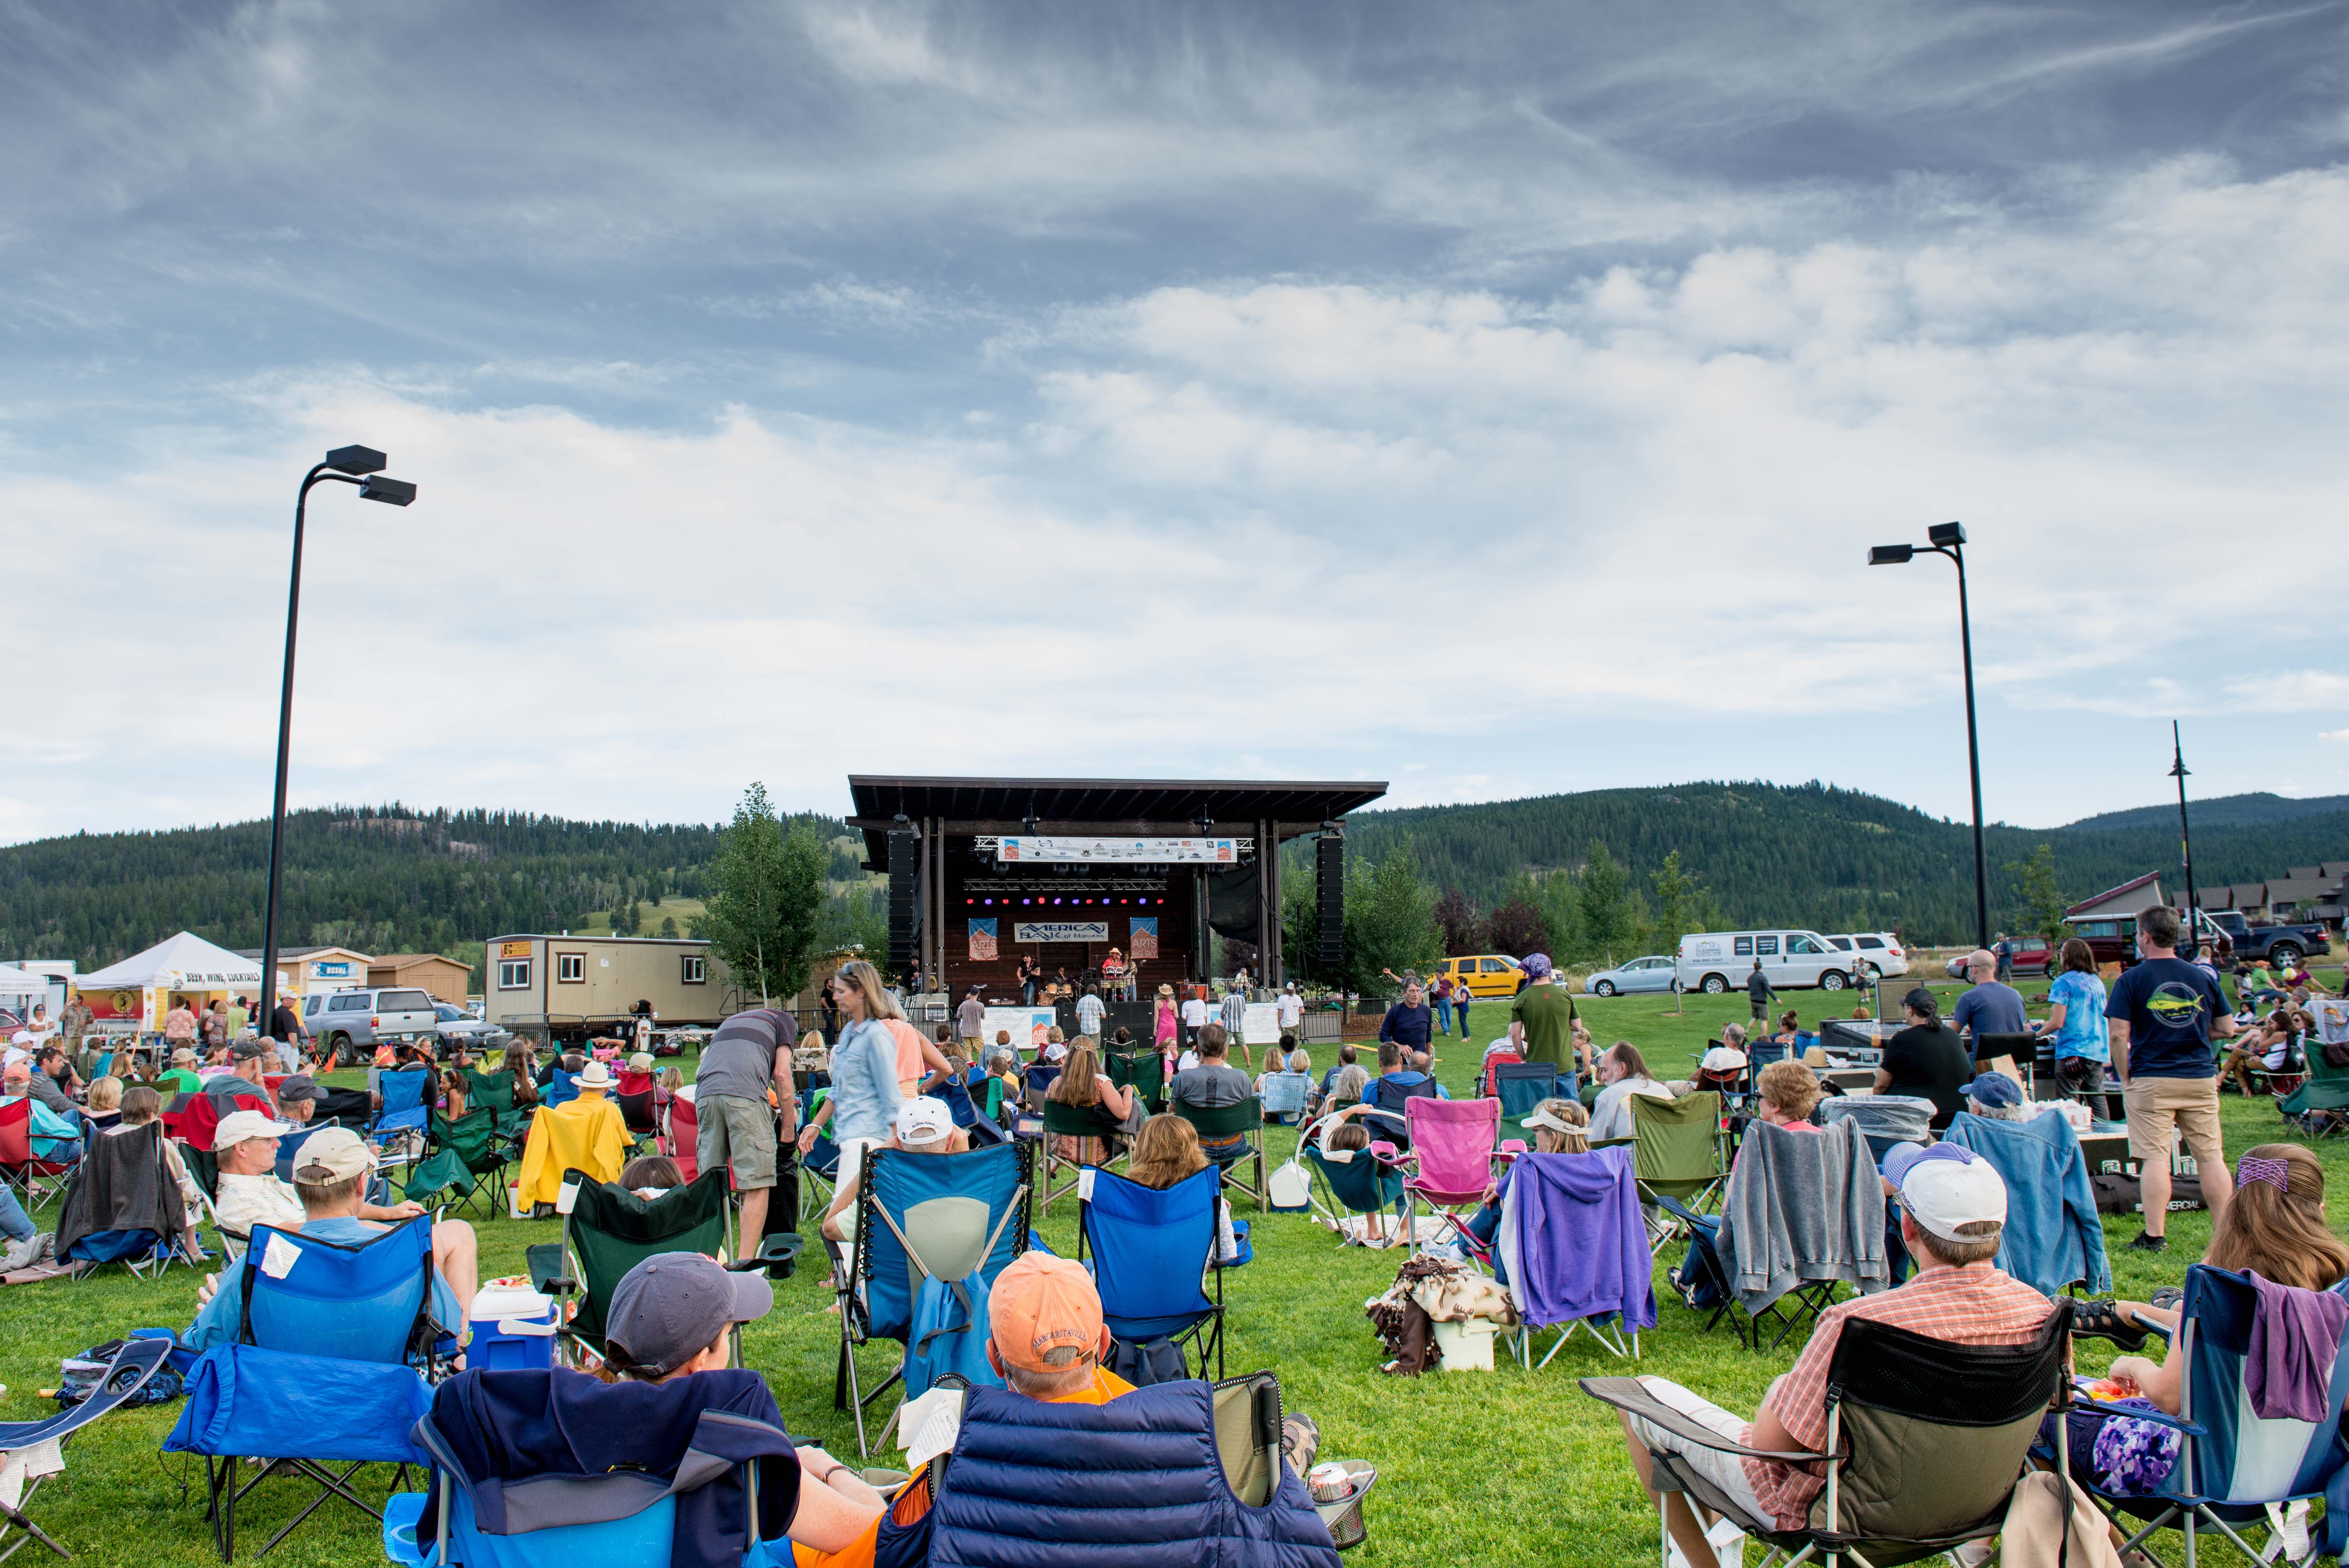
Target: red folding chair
point(684, 1135)
point(1453, 1145)
point(22, 1169)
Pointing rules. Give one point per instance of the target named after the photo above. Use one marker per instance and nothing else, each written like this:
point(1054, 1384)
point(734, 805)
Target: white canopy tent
point(182, 962)
point(15, 982)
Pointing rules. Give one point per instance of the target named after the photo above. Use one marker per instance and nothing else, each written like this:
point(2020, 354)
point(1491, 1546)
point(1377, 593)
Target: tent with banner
point(139, 989)
point(22, 983)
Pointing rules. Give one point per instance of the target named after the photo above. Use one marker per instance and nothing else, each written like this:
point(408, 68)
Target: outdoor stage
point(985, 872)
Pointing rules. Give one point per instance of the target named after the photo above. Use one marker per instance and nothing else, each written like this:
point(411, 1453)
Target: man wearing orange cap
point(1045, 1332)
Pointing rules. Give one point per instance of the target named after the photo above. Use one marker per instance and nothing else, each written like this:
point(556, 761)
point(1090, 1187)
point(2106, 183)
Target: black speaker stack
point(904, 871)
point(1329, 892)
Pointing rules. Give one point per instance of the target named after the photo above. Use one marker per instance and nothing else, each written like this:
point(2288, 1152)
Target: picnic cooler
point(1467, 1346)
point(513, 1328)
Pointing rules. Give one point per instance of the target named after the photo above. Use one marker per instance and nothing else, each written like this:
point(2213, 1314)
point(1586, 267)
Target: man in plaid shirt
point(1953, 1207)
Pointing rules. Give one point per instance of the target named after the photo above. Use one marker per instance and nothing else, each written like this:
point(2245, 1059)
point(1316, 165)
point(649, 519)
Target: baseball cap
point(1723, 1059)
point(641, 1062)
point(672, 1306)
point(1041, 1303)
point(1995, 1089)
point(1945, 1187)
point(337, 1154)
point(922, 1121)
point(1536, 965)
point(247, 1050)
point(239, 1125)
point(297, 1085)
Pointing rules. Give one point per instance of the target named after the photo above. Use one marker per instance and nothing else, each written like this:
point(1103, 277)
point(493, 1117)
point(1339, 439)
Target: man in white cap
point(1953, 1207)
point(331, 1172)
point(251, 1193)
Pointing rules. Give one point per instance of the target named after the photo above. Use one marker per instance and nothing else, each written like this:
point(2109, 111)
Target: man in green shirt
point(1541, 1019)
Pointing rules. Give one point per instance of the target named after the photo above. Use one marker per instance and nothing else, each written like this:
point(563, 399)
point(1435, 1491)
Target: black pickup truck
point(2278, 944)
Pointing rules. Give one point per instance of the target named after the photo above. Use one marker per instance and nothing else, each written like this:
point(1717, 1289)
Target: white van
point(1718, 960)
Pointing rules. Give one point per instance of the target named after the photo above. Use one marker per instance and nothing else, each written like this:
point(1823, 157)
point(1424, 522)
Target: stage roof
point(1104, 807)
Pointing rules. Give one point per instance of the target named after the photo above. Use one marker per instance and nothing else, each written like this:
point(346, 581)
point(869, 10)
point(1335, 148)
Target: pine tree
point(763, 921)
point(1609, 915)
point(1390, 918)
point(2035, 890)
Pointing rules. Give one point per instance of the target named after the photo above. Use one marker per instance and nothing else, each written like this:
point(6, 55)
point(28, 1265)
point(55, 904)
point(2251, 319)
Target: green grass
point(1489, 1469)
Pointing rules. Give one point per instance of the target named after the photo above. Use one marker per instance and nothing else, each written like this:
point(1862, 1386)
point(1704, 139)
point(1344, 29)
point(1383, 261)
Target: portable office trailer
point(570, 987)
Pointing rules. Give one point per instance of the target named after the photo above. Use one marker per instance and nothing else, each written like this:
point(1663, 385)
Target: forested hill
point(1837, 859)
point(378, 878)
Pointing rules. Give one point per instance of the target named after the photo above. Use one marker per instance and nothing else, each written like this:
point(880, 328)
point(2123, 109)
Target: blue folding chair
point(958, 1218)
point(1151, 1249)
point(1284, 1095)
point(821, 1162)
point(404, 1110)
point(561, 1087)
point(366, 1302)
point(300, 1415)
point(127, 1372)
point(2231, 1463)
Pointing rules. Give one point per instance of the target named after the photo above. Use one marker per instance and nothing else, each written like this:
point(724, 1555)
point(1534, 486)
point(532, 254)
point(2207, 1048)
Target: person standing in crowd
point(1194, 1019)
point(1927, 1060)
point(285, 1028)
point(1439, 996)
point(2076, 1017)
point(2162, 1015)
point(239, 1013)
point(970, 1023)
point(1990, 1005)
point(1408, 1023)
point(1292, 1008)
point(746, 1059)
point(1759, 995)
point(179, 1025)
point(1235, 1019)
point(863, 1104)
point(1164, 1017)
point(1089, 1013)
point(1461, 997)
point(1542, 1017)
point(2002, 952)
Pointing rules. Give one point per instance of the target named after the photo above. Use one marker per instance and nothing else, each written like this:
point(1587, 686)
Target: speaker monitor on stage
point(1330, 891)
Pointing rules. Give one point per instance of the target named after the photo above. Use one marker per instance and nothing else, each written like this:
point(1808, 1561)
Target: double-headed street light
point(1949, 539)
point(363, 467)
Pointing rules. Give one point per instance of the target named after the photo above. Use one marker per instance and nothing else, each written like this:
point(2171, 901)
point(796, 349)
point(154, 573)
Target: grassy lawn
point(681, 910)
point(1492, 1468)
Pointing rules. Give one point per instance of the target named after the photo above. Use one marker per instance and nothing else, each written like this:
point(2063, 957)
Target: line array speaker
point(1329, 892)
point(904, 873)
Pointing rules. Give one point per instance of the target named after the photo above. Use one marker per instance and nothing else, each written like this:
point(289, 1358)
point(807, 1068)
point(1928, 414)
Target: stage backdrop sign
point(1027, 1026)
point(1142, 938)
point(1060, 931)
point(1189, 852)
point(982, 940)
point(1260, 1023)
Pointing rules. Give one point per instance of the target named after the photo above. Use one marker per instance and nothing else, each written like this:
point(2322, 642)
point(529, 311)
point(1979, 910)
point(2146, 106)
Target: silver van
point(1718, 960)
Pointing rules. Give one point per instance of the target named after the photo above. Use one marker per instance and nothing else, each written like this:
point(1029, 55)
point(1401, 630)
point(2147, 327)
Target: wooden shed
point(449, 980)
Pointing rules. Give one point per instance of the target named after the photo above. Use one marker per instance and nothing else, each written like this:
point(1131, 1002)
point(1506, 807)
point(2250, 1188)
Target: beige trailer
point(576, 985)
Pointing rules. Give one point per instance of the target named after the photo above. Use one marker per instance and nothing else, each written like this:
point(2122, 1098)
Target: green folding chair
point(1677, 1148)
point(1144, 1072)
point(610, 1231)
point(495, 1092)
point(1073, 1121)
point(2318, 1106)
point(1246, 1120)
point(469, 1157)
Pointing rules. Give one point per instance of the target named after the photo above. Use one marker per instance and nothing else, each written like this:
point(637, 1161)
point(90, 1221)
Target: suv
point(1485, 975)
point(1879, 950)
point(349, 1022)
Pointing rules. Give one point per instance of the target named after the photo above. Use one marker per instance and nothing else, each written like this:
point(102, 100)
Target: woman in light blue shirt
point(863, 1104)
point(2075, 1017)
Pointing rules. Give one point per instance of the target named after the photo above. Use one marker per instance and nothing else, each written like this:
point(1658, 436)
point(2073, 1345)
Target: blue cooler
point(513, 1328)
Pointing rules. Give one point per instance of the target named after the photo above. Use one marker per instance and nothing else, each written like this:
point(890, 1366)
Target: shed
point(449, 980)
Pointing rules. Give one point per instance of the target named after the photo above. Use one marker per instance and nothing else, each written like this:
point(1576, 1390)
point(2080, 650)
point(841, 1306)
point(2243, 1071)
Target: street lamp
point(2179, 771)
point(1949, 539)
point(363, 467)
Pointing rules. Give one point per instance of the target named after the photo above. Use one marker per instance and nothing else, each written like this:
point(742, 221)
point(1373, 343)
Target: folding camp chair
point(1284, 1094)
point(1488, 1085)
point(1150, 1250)
point(1355, 1180)
point(1884, 1119)
point(1453, 1143)
point(404, 1113)
point(123, 1206)
point(474, 1513)
point(495, 1092)
point(952, 1217)
point(1677, 1147)
point(637, 1114)
point(610, 1231)
point(1521, 1087)
point(1096, 1133)
point(1774, 1156)
point(2320, 1105)
point(1586, 1207)
point(2233, 1463)
point(1244, 1121)
point(1386, 1115)
point(126, 1373)
point(31, 1176)
point(561, 1087)
point(468, 1156)
point(1185, 1471)
point(1925, 1442)
point(1145, 1072)
point(685, 1136)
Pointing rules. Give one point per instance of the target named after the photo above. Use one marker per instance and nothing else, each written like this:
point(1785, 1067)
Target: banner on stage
point(1025, 1026)
point(1260, 1023)
point(1142, 938)
point(1060, 931)
point(1189, 852)
point(982, 940)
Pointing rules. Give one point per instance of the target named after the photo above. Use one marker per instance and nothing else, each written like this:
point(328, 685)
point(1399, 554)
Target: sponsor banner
point(1060, 931)
point(1260, 1023)
point(337, 969)
point(982, 940)
point(1142, 938)
point(1025, 1026)
point(1208, 852)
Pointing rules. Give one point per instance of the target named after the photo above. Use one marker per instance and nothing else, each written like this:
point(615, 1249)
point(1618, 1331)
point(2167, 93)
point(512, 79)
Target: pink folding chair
point(1453, 1143)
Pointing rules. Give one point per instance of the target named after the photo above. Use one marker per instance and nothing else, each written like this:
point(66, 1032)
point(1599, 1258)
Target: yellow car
point(1485, 975)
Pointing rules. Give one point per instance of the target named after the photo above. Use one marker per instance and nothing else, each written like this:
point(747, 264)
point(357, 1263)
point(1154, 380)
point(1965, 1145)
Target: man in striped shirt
point(1953, 1207)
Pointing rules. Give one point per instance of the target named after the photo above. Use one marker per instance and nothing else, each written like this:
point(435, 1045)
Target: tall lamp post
point(1949, 539)
point(2178, 771)
point(363, 467)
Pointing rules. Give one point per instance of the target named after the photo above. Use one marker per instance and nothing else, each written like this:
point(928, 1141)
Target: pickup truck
point(2276, 943)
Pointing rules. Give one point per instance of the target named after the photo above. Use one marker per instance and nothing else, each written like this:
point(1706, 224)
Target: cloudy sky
point(1492, 399)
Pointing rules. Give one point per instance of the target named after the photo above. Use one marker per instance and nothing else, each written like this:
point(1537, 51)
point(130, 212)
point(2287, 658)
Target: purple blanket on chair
point(1582, 1247)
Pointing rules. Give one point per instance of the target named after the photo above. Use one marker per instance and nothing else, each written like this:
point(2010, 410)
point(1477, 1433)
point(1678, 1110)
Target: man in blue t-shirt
point(1989, 1006)
point(1409, 1022)
point(2163, 1014)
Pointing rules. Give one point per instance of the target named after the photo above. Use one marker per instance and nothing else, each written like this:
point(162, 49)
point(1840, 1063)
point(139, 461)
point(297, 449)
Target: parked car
point(1879, 950)
point(1638, 974)
point(2276, 941)
point(1484, 975)
point(351, 1022)
point(2027, 955)
point(1717, 961)
point(459, 1028)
